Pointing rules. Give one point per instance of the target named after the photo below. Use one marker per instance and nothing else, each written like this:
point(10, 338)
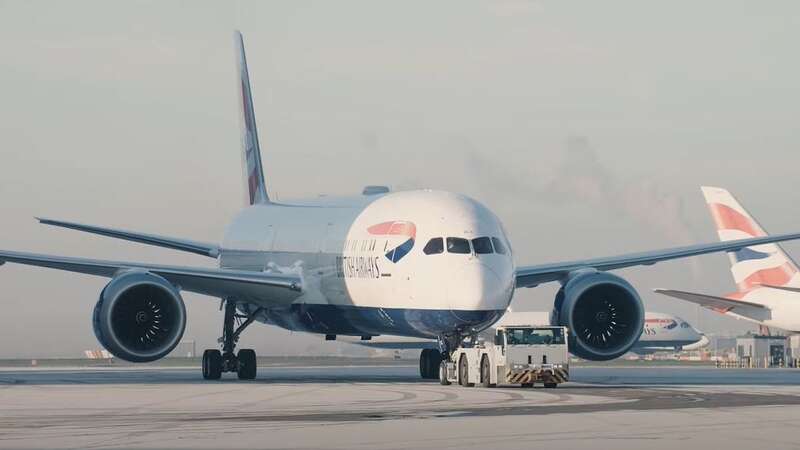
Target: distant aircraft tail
point(751, 266)
point(251, 151)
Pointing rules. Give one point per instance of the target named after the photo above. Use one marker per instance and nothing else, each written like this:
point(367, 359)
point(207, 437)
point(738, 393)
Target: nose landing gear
point(429, 361)
point(432, 362)
point(244, 363)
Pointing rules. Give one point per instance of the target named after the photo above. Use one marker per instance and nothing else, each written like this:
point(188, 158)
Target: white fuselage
point(365, 266)
point(665, 331)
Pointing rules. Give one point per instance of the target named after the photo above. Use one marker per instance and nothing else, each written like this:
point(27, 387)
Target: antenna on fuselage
point(251, 151)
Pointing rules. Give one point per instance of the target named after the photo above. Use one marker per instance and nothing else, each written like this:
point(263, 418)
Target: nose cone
point(477, 286)
point(702, 342)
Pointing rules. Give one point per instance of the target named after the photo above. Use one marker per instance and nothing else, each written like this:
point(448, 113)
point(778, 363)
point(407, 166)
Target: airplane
point(661, 332)
point(419, 263)
point(767, 279)
point(667, 332)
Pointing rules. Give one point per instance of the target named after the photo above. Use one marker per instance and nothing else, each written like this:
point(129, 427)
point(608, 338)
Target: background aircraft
point(661, 332)
point(420, 263)
point(767, 279)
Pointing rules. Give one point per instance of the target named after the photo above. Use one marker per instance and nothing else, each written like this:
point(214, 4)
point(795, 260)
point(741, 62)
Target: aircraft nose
point(477, 287)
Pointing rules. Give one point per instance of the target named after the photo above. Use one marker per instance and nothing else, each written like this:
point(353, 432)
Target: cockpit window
point(482, 245)
point(684, 325)
point(498, 246)
point(434, 246)
point(458, 245)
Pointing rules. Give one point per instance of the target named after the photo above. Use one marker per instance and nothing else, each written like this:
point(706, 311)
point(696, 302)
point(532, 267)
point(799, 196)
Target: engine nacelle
point(603, 312)
point(140, 317)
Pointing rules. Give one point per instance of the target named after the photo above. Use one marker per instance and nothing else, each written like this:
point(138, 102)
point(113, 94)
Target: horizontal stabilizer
point(184, 245)
point(746, 309)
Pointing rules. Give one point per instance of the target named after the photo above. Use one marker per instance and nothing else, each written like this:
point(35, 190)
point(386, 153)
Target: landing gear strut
point(243, 363)
point(432, 361)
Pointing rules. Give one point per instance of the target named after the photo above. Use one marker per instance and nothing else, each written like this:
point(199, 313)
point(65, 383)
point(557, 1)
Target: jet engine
point(603, 313)
point(140, 317)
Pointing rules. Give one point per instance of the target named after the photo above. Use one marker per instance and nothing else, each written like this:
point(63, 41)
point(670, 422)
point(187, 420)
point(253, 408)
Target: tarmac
point(388, 406)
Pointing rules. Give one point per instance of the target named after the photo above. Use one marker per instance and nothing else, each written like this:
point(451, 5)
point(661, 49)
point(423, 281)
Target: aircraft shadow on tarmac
point(581, 378)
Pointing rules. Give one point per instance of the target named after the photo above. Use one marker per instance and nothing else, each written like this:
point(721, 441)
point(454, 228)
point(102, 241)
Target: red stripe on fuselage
point(252, 184)
point(399, 228)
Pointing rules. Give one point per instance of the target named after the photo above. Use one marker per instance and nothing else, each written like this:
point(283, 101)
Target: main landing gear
point(243, 363)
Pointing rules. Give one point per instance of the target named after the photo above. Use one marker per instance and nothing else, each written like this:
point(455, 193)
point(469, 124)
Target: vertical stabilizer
point(752, 266)
point(251, 151)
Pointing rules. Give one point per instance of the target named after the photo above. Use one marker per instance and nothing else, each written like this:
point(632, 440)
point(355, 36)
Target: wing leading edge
point(749, 310)
point(186, 245)
point(266, 289)
point(531, 276)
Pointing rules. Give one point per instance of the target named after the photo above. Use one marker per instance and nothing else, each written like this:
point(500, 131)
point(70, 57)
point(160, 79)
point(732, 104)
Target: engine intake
point(603, 312)
point(140, 317)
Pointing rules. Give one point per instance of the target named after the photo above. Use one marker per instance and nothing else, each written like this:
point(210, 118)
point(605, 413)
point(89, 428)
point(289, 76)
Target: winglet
point(251, 150)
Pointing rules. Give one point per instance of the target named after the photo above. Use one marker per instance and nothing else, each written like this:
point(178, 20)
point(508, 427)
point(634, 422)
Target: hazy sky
point(586, 126)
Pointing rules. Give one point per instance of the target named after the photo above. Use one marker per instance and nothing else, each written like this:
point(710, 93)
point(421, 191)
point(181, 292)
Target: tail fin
point(751, 266)
point(251, 151)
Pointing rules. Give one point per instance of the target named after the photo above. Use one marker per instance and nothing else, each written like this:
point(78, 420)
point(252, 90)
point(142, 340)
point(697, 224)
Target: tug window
point(434, 246)
point(482, 245)
point(498, 246)
point(458, 245)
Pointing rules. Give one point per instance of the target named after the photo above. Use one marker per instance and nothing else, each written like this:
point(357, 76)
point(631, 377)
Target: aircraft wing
point(745, 309)
point(258, 287)
point(531, 276)
point(782, 288)
point(185, 245)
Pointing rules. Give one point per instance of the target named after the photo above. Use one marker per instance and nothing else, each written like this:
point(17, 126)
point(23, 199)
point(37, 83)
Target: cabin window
point(498, 246)
point(482, 245)
point(458, 245)
point(434, 246)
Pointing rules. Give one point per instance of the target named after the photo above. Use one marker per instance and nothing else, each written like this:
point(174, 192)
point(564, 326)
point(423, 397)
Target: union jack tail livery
point(251, 151)
point(752, 267)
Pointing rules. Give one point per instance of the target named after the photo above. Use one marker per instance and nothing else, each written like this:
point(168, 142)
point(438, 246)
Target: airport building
point(762, 351)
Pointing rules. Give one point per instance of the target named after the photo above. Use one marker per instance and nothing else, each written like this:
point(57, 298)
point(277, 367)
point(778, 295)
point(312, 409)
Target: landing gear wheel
point(424, 363)
point(435, 362)
point(212, 365)
point(527, 385)
point(463, 372)
point(244, 364)
point(247, 364)
point(429, 360)
point(486, 375)
point(551, 385)
point(443, 374)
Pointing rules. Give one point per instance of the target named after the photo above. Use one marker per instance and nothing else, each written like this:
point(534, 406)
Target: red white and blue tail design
point(251, 151)
point(752, 266)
